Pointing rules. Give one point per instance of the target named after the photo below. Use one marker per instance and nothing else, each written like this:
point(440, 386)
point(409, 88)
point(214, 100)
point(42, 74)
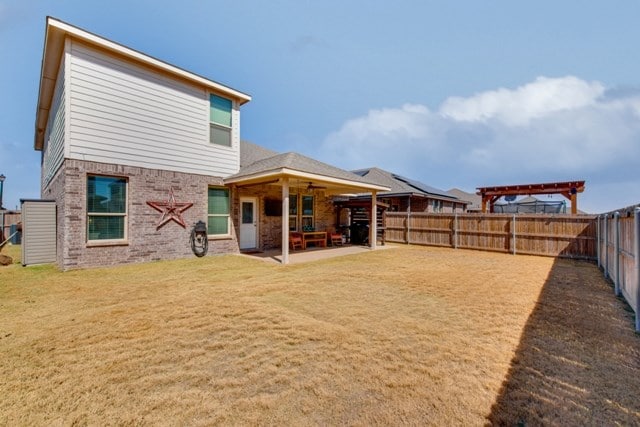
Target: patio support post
point(374, 220)
point(285, 220)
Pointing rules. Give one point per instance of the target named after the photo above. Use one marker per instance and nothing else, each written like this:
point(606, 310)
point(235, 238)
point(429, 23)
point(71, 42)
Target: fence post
point(606, 247)
point(407, 227)
point(598, 241)
point(636, 238)
point(514, 233)
point(455, 230)
point(616, 251)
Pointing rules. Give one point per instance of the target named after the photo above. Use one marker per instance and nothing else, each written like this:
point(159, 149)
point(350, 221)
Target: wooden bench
point(318, 238)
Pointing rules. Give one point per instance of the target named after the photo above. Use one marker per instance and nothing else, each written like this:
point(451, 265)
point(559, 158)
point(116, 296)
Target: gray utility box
point(38, 231)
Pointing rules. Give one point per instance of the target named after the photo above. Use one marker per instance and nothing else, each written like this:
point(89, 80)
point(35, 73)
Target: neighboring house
point(135, 151)
point(474, 200)
point(408, 195)
point(403, 195)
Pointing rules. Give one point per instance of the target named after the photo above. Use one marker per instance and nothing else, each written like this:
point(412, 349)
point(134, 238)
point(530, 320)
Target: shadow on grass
point(578, 361)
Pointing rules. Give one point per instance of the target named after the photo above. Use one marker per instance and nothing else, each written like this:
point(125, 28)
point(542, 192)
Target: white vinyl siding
point(126, 114)
point(53, 152)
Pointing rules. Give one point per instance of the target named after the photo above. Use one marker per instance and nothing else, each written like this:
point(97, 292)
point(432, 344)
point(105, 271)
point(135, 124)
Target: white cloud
point(547, 130)
point(534, 100)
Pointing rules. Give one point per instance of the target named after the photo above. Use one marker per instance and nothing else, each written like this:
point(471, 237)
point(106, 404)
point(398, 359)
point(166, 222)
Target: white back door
point(248, 223)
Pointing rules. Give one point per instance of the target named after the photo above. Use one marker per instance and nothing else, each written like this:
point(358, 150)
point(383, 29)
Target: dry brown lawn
point(409, 335)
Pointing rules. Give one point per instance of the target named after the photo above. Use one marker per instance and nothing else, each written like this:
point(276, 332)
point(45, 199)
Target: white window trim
point(228, 235)
point(218, 125)
point(108, 242)
point(301, 213)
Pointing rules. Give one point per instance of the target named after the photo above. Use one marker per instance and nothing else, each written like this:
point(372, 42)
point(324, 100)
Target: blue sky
point(455, 94)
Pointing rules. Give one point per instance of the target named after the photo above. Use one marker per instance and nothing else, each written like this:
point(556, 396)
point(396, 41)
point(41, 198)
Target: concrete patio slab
point(312, 254)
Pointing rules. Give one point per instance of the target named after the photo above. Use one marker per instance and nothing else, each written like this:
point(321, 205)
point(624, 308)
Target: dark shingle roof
point(400, 184)
point(251, 153)
point(300, 163)
point(475, 201)
point(257, 160)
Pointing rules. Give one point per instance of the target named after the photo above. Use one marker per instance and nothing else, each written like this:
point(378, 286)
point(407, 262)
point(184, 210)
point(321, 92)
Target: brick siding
point(144, 242)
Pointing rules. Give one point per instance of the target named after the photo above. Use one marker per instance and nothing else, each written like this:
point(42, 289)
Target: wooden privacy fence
point(568, 236)
point(618, 249)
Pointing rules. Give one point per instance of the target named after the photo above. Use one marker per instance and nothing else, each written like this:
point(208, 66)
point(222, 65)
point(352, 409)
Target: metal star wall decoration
point(170, 209)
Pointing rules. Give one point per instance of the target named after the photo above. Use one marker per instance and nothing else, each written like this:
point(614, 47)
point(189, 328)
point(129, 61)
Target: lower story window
point(218, 212)
point(293, 212)
point(307, 213)
point(301, 211)
point(106, 208)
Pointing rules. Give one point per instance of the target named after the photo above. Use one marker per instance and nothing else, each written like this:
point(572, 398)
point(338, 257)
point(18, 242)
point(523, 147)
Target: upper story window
point(220, 120)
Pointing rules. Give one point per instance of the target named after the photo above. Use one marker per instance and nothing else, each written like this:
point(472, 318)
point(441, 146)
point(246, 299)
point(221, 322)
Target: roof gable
point(57, 32)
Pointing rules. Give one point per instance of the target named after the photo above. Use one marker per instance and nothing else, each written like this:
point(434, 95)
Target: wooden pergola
point(569, 189)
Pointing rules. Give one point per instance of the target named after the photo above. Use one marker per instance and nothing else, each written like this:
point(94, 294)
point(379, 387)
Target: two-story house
point(136, 150)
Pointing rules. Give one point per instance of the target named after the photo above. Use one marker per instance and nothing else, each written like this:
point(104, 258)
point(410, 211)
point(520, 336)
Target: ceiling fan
point(312, 187)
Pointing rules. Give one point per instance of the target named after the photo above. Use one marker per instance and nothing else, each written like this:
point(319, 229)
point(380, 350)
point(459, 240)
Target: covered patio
point(295, 172)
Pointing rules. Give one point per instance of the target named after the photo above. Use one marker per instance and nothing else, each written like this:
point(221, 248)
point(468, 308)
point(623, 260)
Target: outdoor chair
point(335, 237)
point(295, 241)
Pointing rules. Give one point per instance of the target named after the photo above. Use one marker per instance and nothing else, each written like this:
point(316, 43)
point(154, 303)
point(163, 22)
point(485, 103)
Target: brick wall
point(144, 241)
point(420, 204)
point(55, 190)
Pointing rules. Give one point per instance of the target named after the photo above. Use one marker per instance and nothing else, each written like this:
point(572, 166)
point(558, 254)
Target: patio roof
point(293, 170)
point(302, 171)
